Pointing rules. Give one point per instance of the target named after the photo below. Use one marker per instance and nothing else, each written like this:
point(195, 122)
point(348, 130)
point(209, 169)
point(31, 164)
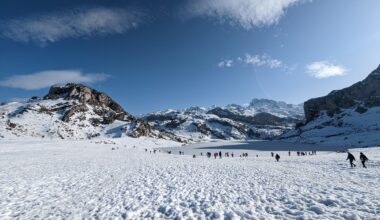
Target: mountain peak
point(84, 94)
point(375, 72)
point(365, 93)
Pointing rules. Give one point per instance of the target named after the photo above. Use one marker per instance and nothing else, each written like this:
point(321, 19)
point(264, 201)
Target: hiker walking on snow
point(363, 159)
point(277, 157)
point(351, 158)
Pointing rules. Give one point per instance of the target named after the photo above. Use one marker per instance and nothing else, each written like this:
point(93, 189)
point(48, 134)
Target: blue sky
point(154, 55)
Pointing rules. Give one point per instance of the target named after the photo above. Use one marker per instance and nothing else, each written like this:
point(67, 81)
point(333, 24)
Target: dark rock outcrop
point(361, 95)
point(102, 105)
point(85, 95)
point(262, 118)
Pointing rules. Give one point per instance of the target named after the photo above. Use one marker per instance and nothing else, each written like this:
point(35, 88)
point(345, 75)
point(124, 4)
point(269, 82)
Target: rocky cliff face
point(349, 117)
point(73, 111)
point(361, 95)
point(104, 105)
point(263, 119)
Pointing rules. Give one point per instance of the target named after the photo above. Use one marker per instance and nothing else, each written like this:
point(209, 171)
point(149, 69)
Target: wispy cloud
point(256, 60)
point(46, 79)
point(79, 22)
point(245, 13)
point(226, 63)
point(325, 69)
point(261, 60)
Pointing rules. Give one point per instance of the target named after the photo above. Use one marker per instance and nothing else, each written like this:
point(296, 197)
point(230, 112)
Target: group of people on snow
point(363, 158)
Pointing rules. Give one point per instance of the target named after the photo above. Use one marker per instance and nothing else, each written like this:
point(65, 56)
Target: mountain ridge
point(80, 112)
point(349, 116)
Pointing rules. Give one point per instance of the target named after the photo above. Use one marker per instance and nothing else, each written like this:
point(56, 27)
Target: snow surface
point(117, 179)
point(348, 128)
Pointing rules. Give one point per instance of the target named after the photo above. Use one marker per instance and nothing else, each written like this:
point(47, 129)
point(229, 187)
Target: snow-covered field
point(84, 179)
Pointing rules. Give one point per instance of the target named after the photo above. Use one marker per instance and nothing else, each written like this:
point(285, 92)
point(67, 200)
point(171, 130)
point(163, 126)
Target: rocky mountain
point(350, 116)
point(262, 119)
point(73, 111)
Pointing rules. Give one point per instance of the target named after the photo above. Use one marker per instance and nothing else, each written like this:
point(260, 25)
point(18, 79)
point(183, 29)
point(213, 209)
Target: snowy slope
point(262, 119)
point(347, 117)
point(88, 180)
point(73, 111)
point(277, 108)
point(348, 128)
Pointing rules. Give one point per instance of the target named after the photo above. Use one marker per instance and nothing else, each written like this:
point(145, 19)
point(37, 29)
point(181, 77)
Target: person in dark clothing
point(289, 153)
point(220, 154)
point(277, 157)
point(272, 154)
point(351, 158)
point(363, 159)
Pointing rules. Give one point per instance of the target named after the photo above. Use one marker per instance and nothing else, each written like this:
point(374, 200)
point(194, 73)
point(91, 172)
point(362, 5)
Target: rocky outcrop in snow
point(73, 111)
point(347, 117)
point(263, 119)
point(361, 96)
point(103, 104)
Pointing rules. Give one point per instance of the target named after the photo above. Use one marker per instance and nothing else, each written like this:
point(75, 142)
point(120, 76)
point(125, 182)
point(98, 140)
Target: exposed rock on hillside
point(73, 111)
point(348, 117)
point(361, 95)
point(262, 119)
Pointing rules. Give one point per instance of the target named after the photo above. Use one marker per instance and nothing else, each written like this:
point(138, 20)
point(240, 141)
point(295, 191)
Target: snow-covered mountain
point(261, 119)
point(73, 111)
point(346, 117)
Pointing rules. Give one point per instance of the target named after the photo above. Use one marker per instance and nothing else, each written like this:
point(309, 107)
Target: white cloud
point(324, 69)
point(79, 22)
point(245, 13)
point(226, 63)
point(256, 60)
point(46, 79)
point(262, 60)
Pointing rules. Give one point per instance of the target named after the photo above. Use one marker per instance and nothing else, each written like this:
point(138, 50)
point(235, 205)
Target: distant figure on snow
point(194, 156)
point(363, 159)
point(277, 157)
point(220, 154)
point(272, 154)
point(351, 158)
point(289, 153)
